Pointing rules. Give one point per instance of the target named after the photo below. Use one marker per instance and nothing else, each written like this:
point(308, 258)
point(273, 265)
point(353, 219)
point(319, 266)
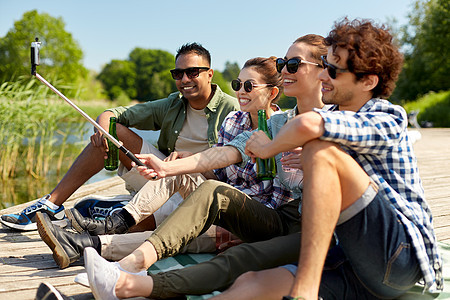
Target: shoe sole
point(59, 255)
point(48, 292)
point(73, 221)
point(32, 226)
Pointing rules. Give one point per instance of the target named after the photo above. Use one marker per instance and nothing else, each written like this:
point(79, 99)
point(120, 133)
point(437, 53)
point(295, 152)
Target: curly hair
point(194, 48)
point(371, 51)
point(267, 68)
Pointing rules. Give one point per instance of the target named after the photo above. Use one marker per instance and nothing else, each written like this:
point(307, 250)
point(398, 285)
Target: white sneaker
point(102, 275)
point(82, 278)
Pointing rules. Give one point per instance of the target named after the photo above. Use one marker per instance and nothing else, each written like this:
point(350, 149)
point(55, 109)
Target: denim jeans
point(373, 259)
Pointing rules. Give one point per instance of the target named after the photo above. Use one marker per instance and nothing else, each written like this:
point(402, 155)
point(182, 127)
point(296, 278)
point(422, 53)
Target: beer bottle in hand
point(112, 162)
point(265, 168)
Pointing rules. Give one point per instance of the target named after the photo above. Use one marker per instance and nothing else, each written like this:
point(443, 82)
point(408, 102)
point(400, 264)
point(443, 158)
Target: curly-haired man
point(361, 182)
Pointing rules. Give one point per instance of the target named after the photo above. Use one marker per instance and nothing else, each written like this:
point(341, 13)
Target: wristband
point(293, 298)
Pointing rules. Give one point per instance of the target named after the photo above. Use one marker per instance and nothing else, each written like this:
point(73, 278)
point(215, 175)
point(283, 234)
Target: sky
point(232, 30)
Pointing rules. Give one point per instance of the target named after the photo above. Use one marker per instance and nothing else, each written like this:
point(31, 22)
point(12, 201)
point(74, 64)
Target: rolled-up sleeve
point(239, 143)
point(364, 132)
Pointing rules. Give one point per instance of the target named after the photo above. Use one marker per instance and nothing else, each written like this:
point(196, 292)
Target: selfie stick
point(35, 62)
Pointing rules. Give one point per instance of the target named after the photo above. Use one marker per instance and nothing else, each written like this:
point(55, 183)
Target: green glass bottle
point(265, 168)
point(112, 162)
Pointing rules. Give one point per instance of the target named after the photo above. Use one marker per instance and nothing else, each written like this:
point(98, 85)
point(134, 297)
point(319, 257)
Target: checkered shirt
point(377, 138)
point(243, 177)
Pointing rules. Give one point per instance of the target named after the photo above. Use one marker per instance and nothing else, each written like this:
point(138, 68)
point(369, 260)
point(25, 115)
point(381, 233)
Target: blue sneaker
point(26, 219)
point(100, 207)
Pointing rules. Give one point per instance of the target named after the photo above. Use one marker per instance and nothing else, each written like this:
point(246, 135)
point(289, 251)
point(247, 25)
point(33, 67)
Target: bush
point(433, 107)
point(123, 99)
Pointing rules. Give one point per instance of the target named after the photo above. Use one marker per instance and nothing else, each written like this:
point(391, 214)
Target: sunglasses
point(236, 85)
point(332, 70)
point(291, 64)
point(191, 73)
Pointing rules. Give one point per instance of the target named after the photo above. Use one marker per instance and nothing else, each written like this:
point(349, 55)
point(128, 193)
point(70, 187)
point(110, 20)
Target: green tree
point(60, 54)
point(231, 71)
point(425, 43)
point(119, 76)
point(225, 86)
point(152, 67)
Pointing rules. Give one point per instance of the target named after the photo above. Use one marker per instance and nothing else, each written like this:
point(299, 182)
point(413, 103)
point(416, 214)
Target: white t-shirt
point(193, 136)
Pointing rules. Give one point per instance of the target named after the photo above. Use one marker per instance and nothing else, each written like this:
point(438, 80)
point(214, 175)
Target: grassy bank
point(433, 107)
point(40, 137)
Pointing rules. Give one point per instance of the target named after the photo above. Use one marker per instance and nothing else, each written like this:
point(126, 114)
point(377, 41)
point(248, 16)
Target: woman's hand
point(154, 169)
point(293, 159)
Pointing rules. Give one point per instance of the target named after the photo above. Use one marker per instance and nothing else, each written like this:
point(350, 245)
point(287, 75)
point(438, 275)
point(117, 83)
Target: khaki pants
point(158, 198)
point(117, 246)
point(218, 203)
point(150, 195)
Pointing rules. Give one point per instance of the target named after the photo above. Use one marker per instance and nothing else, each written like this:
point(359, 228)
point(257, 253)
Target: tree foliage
point(143, 76)
point(60, 54)
point(425, 43)
point(119, 76)
point(153, 76)
point(225, 85)
point(231, 71)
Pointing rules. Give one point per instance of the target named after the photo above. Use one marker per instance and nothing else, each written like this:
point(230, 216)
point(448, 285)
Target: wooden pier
point(25, 261)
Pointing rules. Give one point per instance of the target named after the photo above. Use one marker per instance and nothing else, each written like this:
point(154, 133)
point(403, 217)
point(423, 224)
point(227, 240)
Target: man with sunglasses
point(361, 182)
point(188, 121)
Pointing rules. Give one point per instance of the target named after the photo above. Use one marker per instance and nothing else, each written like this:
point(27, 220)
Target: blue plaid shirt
point(377, 138)
point(243, 177)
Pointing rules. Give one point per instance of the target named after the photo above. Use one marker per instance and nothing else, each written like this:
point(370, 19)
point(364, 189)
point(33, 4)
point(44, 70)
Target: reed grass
point(35, 129)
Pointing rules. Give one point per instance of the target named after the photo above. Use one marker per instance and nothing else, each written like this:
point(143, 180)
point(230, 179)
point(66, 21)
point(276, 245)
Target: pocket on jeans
point(402, 270)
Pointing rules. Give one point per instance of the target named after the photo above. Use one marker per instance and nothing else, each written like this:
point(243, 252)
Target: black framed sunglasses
point(332, 70)
point(292, 64)
point(236, 85)
point(191, 73)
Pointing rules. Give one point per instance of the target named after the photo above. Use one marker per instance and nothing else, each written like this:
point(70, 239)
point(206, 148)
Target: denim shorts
point(373, 257)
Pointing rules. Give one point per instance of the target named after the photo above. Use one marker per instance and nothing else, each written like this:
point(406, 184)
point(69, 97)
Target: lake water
point(25, 188)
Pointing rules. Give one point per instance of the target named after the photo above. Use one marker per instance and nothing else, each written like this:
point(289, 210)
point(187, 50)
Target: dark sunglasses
point(191, 73)
point(291, 64)
point(332, 70)
point(236, 85)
